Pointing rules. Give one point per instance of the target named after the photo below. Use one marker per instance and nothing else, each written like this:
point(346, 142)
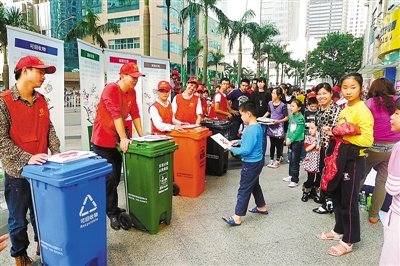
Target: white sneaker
point(271, 164)
point(287, 179)
point(293, 184)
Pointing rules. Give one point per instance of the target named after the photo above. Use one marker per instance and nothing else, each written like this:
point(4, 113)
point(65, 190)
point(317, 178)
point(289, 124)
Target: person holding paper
point(251, 151)
point(117, 101)
point(26, 135)
point(162, 120)
point(186, 107)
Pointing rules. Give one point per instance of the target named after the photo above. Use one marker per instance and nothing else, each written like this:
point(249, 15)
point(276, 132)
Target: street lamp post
point(168, 4)
point(182, 24)
point(62, 21)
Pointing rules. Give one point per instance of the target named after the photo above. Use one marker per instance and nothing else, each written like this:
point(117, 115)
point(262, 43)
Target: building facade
point(326, 16)
point(381, 56)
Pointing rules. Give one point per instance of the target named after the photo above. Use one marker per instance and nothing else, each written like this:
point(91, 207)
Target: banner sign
point(155, 70)
point(91, 75)
point(51, 51)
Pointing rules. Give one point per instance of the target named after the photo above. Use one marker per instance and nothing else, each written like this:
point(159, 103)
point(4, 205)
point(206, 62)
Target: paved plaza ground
point(198, 236)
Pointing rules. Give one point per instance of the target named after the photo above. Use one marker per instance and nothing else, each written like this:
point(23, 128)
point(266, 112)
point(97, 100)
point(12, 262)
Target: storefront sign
point(389, 34)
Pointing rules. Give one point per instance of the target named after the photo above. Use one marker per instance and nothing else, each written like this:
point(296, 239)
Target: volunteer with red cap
point(117, 101)
point(26, 135)
point(176, 83)
point(201, 93)
point(161, 111)
point(186, 107)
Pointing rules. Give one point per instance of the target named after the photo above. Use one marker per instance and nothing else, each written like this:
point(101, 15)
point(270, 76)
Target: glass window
point(119, 6)
point(120, 44)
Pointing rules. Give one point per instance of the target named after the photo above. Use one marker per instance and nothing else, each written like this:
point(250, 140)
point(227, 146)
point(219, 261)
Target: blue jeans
point(249, 184)
point(294, 165)
point(19, 199)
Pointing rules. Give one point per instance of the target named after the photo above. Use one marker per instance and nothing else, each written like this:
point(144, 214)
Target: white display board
point(51, 51)
point(155, 69)
point(91, 75)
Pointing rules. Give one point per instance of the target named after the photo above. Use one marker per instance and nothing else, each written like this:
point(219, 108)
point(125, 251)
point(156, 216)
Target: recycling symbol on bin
point(88, 203)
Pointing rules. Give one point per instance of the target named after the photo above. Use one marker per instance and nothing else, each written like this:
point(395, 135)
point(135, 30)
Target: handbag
point(346, 129)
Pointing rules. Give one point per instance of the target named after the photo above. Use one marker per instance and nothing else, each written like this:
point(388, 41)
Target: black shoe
point(319, 200)
point(114, 223)
point(305, 197)
point(120, 210)
point(321, 210)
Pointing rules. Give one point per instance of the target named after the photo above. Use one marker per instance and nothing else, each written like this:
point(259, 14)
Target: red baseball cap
point(164, 86)
point(201, 88)
point(131, 69)
point(311, 94)
point(35, 62)
point(176, 73)
point(193, 80)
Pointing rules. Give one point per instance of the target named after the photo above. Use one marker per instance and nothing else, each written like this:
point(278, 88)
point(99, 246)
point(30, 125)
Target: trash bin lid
point(70, 173)
point(194, 133)
point(216, 124)
point(153, 148)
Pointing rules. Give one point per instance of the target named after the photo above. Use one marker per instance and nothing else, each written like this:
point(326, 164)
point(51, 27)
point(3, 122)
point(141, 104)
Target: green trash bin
point(148, 173)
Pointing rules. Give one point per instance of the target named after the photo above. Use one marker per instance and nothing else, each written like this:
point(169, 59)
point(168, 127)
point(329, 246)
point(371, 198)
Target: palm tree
point(13, 17)
point(235, 30)
point(146, 28)
point(195, 7)
point(89, 26)
point(267, 49)
point(280, 56)
point(216, 59)
point(194, 48)
point(260, 36)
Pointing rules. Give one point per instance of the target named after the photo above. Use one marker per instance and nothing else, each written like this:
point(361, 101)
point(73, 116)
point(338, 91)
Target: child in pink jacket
point(391, 246)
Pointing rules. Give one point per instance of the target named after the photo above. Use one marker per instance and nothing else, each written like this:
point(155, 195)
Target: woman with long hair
point(381, 101)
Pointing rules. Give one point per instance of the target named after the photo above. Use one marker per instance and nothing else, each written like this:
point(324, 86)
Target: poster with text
point(113, 60)
point(51, 51)
point(155, 70)
point(91, 72)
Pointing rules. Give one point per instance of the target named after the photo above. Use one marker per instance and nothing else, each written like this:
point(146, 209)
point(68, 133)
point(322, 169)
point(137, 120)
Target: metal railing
point(72, 102)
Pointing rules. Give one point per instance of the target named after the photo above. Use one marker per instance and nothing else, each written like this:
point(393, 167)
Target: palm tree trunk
point(205, 46)
point(258, 65)
point(6, 79)
point(146, 28)
point(267, 77)
point(239, 71)
point(277, 73)
point(282, 73)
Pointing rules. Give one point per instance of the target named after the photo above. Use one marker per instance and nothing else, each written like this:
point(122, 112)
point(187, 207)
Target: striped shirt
point(393, 180)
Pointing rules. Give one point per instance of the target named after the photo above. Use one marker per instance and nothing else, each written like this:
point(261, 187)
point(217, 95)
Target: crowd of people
point(336, 144)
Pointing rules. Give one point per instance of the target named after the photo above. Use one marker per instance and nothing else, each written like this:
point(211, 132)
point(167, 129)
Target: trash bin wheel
point(125, 221)
point(175, 190)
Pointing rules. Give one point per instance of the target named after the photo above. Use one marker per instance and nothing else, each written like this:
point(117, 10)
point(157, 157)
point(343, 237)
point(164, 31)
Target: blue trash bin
point(70, 207)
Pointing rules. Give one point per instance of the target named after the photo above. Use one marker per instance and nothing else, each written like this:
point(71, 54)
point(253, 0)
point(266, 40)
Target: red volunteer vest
point(223, 105)
point(186, 109)
point(29, 124)
point(166, 116)
point(204, 107)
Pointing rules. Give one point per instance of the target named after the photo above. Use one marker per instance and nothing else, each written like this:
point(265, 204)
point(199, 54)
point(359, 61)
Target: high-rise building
point(357, 17)
point(284, 14)
point(63, 16)
point(326, 16)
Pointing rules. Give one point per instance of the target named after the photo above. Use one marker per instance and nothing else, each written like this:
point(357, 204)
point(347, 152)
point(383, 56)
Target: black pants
point(294, 164)
point(317, 183)
point(276, 143)
point(309, 184)
point(345, 201)
point(113, 156)
point(236, 122)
